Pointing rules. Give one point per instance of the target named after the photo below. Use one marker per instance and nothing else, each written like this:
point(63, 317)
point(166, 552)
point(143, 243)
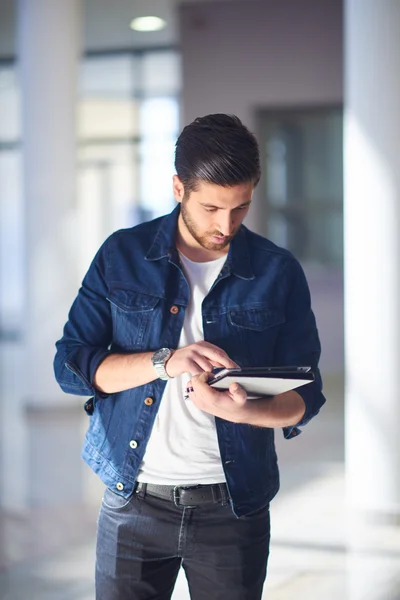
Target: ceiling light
point(147, 24)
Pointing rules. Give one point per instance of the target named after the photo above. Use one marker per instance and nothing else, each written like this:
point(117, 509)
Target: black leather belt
point(185, 495)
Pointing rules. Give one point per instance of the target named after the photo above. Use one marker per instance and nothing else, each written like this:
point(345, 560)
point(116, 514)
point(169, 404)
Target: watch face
point(161, 355)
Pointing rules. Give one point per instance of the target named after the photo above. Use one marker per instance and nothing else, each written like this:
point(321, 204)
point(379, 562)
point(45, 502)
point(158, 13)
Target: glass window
point(128, 120)
point(10, 123)
point(11, 243)
point(128, 123)
point(302, 182)
point(11, 205)
point(107, 184)
point(108, 76)
point(161, 73)
point(112, 118)
point(159, 121)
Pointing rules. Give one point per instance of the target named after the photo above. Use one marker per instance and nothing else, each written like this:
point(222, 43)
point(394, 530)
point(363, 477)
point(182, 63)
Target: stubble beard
point(203, 240)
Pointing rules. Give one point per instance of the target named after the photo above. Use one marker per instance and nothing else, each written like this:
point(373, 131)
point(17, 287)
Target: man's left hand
point(229, 405)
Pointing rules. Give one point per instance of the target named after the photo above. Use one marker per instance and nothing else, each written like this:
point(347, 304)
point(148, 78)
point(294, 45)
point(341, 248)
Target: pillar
point(372, 253)
point(41, 455)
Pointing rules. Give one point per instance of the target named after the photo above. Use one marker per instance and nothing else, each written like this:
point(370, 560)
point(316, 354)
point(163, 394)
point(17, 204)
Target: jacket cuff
point(84, 363)
point(313, 400)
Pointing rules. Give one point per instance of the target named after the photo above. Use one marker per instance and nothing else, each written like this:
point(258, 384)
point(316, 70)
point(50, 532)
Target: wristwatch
point(159, 360)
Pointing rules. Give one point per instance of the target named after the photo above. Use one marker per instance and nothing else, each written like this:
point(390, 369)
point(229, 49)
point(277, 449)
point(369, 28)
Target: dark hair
point(217, 149)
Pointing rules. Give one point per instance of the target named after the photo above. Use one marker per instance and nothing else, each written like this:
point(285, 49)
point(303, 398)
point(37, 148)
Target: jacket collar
point(238, 262)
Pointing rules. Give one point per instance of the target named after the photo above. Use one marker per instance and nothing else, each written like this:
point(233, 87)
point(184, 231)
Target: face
point(211, 216)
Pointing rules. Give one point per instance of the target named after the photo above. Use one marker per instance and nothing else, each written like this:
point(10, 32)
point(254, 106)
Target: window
point(302, 183)
point(128, 120)
point(11, 206)
point(128, 124)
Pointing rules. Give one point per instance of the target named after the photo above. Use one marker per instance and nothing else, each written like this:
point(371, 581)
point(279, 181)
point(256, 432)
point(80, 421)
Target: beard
point(204, 239)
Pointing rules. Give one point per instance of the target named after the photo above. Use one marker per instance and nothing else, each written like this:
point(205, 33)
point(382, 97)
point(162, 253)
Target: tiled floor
point(317, 550)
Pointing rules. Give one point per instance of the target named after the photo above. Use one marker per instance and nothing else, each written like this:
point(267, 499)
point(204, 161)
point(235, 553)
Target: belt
point(184, 495)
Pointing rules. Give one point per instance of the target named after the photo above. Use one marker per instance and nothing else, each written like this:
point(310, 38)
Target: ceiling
point(105, 24)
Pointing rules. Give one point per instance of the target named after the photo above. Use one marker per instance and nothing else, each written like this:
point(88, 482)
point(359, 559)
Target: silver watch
point(159, 360)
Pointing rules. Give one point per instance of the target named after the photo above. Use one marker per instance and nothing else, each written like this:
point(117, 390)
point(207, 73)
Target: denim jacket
point(133, 299)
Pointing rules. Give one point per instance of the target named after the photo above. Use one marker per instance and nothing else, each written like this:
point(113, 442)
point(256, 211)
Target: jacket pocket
point(255, 330)
point(132, 313)
point(255, 318)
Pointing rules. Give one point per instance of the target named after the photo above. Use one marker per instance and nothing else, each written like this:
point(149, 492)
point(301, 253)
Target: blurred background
point(91, 103)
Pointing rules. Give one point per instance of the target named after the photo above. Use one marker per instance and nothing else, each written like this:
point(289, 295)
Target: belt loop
point(175, 495)
point(141, 489)
point(223, 490)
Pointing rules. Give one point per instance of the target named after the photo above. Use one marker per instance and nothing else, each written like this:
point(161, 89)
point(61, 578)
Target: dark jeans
point(142, 543)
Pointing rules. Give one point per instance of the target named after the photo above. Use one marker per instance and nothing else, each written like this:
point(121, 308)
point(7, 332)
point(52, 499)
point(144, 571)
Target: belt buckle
point(176, 495)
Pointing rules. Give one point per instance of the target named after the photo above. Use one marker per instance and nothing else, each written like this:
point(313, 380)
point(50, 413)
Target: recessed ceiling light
point(147, 24)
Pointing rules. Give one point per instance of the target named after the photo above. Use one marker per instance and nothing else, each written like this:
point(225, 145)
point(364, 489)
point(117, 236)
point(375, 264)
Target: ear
point(178, 188)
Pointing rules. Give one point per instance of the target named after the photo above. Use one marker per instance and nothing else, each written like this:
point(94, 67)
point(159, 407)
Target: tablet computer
point(262, 381)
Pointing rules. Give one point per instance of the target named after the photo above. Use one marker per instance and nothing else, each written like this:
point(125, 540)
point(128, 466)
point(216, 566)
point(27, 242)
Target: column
point(43, 456)
point(372, 253)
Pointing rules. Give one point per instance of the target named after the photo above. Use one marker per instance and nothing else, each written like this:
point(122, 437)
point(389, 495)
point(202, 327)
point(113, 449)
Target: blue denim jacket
point(133, 299)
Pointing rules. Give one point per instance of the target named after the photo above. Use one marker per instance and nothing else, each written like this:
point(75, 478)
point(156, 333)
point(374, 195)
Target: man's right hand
point(197, 358)
point(118, 372)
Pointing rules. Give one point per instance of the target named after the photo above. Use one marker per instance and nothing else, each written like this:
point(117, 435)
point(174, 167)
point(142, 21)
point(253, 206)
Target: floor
point(317, 551)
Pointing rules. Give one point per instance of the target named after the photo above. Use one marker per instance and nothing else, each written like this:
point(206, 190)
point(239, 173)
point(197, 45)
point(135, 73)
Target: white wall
point(241, 56)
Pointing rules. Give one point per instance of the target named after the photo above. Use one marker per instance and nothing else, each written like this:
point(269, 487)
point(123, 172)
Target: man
point(189, 471)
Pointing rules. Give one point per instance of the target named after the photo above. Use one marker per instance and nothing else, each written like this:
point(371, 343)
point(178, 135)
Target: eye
point(210, 209)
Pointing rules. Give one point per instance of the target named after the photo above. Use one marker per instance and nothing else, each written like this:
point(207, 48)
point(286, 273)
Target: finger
point(194, 369)
point(218, 357)
point(197, 366)
point(199, 381)
point(202, 364)
point(239, 394)
point(203, 377)
point(222, 361)
point(219, 364)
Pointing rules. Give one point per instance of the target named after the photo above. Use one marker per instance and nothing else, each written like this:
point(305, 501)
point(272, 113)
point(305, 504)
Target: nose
point(226, 224)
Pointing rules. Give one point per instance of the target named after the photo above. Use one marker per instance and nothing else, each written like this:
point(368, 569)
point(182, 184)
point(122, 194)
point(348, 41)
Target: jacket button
point(120, 486)
point(149, 401)
point(133, 444)
point(174, 309)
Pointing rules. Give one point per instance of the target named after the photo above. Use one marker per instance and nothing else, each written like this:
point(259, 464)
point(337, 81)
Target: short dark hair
point(217, 149)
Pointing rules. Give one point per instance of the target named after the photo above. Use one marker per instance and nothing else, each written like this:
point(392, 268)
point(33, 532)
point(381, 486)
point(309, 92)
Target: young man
point(189, 475)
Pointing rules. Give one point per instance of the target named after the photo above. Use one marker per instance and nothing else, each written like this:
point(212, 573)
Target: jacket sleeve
point(299, 345)
point(88, 332)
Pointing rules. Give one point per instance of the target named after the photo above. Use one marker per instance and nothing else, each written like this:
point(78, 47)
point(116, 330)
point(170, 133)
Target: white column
point(372, 256)
point(48, 52)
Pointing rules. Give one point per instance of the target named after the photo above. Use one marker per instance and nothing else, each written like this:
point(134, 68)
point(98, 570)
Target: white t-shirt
point(183, 446)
